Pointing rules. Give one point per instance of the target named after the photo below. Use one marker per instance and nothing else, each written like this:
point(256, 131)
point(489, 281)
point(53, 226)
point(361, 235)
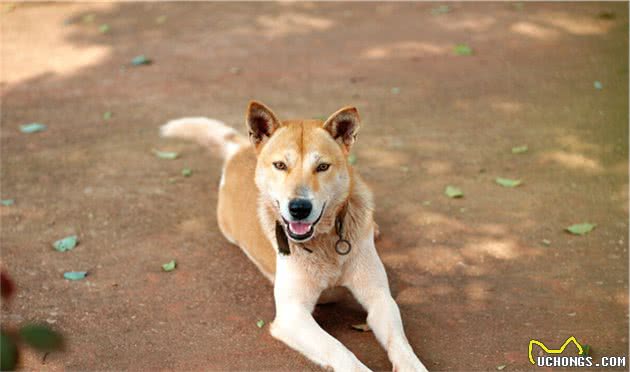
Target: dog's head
point(302, 168)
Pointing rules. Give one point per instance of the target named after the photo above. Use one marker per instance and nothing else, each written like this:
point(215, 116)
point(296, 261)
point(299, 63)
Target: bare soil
point(473, 278)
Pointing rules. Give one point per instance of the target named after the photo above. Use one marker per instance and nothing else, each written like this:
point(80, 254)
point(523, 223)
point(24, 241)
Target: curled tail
point(210, 133)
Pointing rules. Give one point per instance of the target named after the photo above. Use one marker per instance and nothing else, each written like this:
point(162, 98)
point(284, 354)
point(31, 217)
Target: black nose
point(300, 208)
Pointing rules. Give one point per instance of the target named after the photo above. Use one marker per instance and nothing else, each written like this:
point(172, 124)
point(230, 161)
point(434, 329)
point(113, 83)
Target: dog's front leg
point(367, 280)
point(295, 326)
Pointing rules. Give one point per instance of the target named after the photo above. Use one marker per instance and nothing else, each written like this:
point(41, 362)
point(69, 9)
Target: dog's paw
point(407, 361)
point(359, 367)
point(409, 366)
point(276, 331)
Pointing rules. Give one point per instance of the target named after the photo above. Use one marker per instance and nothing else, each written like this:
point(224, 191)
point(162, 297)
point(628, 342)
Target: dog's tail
point(210, 133)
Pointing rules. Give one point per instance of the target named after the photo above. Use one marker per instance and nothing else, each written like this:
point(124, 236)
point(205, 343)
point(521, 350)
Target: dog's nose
point(300, 208)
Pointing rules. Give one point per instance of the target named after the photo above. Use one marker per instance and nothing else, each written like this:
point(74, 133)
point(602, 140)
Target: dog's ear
point(343, 126)
point(261, 123)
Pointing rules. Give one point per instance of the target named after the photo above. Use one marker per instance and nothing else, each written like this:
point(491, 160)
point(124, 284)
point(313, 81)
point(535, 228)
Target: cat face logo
point(554, 351)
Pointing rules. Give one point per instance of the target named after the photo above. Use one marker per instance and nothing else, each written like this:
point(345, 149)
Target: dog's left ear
point(261, 123)
point(343, 126)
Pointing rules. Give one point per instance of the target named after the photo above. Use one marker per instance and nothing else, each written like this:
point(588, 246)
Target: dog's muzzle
point(300, 231)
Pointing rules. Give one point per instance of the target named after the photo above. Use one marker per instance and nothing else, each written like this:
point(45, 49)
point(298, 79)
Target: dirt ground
point(472, 276)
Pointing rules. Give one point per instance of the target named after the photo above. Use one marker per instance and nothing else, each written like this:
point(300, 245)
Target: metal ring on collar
point(340, 243)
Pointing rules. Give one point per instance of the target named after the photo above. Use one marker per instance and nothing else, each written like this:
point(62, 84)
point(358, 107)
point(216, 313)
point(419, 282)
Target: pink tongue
point(299, 228)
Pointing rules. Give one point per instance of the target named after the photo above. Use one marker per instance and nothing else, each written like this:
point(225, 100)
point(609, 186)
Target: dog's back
point(238, 195)
point(237, 210)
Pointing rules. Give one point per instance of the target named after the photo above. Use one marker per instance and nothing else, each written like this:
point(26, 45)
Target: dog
point(289, 198)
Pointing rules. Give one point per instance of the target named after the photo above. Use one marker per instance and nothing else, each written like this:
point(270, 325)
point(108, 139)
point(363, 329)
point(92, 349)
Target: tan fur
point(210, 133)
point(259, 181)
point(236, 213)
point(257, 235)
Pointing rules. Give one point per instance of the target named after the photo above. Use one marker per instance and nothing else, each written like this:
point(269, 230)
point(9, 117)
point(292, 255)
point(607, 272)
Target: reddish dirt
point(472, 277)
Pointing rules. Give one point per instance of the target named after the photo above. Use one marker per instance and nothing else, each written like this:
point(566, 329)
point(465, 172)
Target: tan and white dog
point(289, 198)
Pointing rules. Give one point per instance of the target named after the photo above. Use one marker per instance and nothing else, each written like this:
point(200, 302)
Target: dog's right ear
point(343, 126)
point(261, 123)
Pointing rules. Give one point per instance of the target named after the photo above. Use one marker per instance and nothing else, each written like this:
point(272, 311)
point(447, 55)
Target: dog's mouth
point(301, 231)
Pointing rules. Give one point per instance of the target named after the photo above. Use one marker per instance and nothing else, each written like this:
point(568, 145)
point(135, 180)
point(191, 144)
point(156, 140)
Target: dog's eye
point(279, 165)
point(323, 167)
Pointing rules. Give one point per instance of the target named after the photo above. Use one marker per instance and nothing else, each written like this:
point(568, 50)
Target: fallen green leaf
point(598, 85)
point(260, 323)
point(75, 275)
point(187, 172)
point(169, 266)
point(361, 327)
point(104, 28)
point(581, 228)
point(66, 244)
point(166, 154)
point(32, 128)
point(161, 19)
point(7, 202)
point(140, 60)
point(442, 9)
point(501, 367)
point(462, 50)
point(41, 337)
point(352, 159)
point(453, 192)
point(520, 149)
point(506, 182)
point(107, 115)
point(8, 353)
